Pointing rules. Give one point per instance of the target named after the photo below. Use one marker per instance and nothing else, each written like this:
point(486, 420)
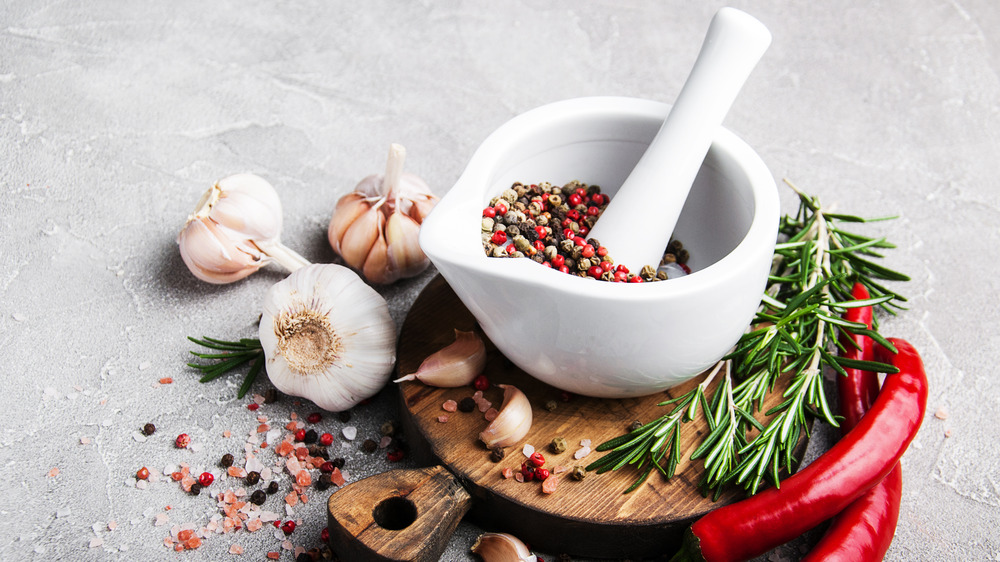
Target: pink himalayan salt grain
point(54, 472)
point(442, 419)
point(303, 478)
point(507, 473)
point(519, 477)
point(301, 453)
point(337, 477)
point(484, 405)
point(292, 498)
point(235, 549)
point(559, 469)
point(491, 414)
point(582, 452)
point(274, 555)
point(85, 440)
point(227, 434)
point(263, 428)
point(236, 472)
point(96, 542)
point(262, 419)
point(549, 484)
point(254, 525)
point(450, 406)
point(284, 449)
point(287, 545)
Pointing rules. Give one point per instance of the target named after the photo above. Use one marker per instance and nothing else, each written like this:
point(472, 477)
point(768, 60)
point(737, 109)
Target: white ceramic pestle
point(638, 223)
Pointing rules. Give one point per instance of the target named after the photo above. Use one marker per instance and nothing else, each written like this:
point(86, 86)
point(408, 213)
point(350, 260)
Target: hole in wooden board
point(395, 513)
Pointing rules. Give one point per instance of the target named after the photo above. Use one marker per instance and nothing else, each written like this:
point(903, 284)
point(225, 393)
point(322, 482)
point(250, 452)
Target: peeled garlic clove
point(405, 255)
point(213, 256)
point(455, 365)
point(513, 421)
point(502, 547)
point(349, 208)
point(327, 337)
point(361, 236)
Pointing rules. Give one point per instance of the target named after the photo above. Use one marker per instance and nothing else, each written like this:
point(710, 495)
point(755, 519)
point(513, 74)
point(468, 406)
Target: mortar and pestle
point(668, 171)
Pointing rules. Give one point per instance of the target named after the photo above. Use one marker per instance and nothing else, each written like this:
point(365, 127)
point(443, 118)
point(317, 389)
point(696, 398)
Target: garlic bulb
point(513, 421)
point(502, 547)
point(375, 227)
point(235, 230)
point(455, 365)
point(327, 336)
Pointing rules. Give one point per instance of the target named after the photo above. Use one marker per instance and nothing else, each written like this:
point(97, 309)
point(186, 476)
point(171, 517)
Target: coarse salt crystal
point(585, 442)
point(287, 545)
point(491, 414)
point(350, 432)
point(442, 419)
point(96, 542)
point(161, 519)
point(112, 525)
point(582, 452)
point(449, 406)
point(138, 437)
point(384, 442)
point(85, 440)
point(941, 414)
point(53, 472)
point(235, 549)
point(145, 365)
point(484, 405)
point(528, 450)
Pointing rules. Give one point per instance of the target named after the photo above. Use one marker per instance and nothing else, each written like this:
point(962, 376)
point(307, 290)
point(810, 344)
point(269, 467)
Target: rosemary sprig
point(793, 336)
point(232, 355)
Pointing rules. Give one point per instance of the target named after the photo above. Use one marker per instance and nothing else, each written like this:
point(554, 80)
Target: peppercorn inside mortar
point(549, 225)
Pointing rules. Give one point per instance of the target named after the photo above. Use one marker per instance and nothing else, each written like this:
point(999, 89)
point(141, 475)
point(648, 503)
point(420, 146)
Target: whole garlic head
point(327, 337)
point(375, 227)
point(235, 230)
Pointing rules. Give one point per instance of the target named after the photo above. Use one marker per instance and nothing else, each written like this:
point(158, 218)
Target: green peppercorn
point(578, 473)
point(551, 405)
point(558, 445)
point(388, 428)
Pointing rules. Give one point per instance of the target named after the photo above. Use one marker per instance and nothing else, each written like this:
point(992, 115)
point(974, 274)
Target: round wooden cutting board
point(590, 517)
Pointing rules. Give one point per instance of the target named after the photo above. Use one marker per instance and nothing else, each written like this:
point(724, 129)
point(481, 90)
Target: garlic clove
point(361, 236)
point(513, 421)
point(457, 364)
point(248, 204)
point(405, 255)
point(212, 255)
point(349, 208)
point(502, 547)
point(327, 336)
point(377, 267)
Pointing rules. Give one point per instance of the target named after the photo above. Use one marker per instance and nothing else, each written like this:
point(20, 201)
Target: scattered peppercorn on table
point(116, 118)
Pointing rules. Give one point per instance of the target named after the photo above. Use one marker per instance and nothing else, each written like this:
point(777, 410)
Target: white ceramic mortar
point(598, 338)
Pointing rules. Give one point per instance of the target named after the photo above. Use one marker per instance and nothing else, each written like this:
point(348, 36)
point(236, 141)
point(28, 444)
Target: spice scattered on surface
point(581, 452)
point(442, 419)
point(578, 473)
point(941, 414)
point(53, 472)
point(550, 483)
point(149, 429)
point(467, 405)
point(558, 445)
point(182, 441)
point(349, 432)
point(449, 406)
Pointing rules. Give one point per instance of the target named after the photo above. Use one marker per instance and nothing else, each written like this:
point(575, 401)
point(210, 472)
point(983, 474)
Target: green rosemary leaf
point(859, 364)
point(217, 344)
point(873, 334)
point(224, 355)
point(639, 481)
point(251, 377)
point(844, 218)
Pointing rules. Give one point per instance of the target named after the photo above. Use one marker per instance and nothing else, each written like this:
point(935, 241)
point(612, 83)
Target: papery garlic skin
point(512, 423)
point(502, 547)
point(374, 228)
point(327, 337)
point(457, 364)
point(234, 231)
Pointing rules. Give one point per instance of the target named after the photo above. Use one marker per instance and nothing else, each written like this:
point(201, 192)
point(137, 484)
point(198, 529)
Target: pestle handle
point(637, 224)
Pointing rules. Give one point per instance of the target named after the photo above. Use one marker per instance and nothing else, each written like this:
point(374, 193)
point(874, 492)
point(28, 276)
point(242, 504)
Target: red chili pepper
point(864, 530)
point(832, 482)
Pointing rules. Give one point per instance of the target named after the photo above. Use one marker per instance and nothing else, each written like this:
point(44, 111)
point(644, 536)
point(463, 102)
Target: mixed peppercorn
point(550, 224)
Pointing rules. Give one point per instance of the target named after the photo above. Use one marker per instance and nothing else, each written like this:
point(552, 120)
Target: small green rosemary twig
point(233, 355)
point(794, 335)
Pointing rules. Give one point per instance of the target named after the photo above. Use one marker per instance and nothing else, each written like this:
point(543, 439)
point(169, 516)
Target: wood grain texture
point(405, 515)
point(590, 517)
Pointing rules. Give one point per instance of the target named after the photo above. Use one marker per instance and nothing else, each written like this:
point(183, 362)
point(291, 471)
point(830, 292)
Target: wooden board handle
point(404, 515)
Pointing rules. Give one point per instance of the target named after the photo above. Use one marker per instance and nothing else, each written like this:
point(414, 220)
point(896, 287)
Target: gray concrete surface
point(114, 117)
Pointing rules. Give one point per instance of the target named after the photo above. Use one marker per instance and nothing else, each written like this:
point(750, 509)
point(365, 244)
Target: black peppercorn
point(344, 416)
point(324, 482)
point(272, 488)
point(338, 462)
point(226, 461)
point(195, 489)
point(149, 429)
point(311, 436)
point(369, 446)
point(303, 557)
point(319, 451)
point(253, 477)
point(497, 454)
point(258, 497)
point(467, 405)
point(270, 396)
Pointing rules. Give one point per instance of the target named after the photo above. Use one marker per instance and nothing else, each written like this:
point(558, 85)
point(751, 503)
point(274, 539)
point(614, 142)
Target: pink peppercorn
point(595, 271)
point(481, 382)
point(558, 260)
point(300, 435)
point(314, 417)
point(489, 212)
point(501, 208)
point(499, 237)
point(394, 456)
point(182, 441)
point(253, 406)
point(288, 527)
point(575, 199)
point(206, 479)
point(588, 251)
point(536, 459)
point(326, 439)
